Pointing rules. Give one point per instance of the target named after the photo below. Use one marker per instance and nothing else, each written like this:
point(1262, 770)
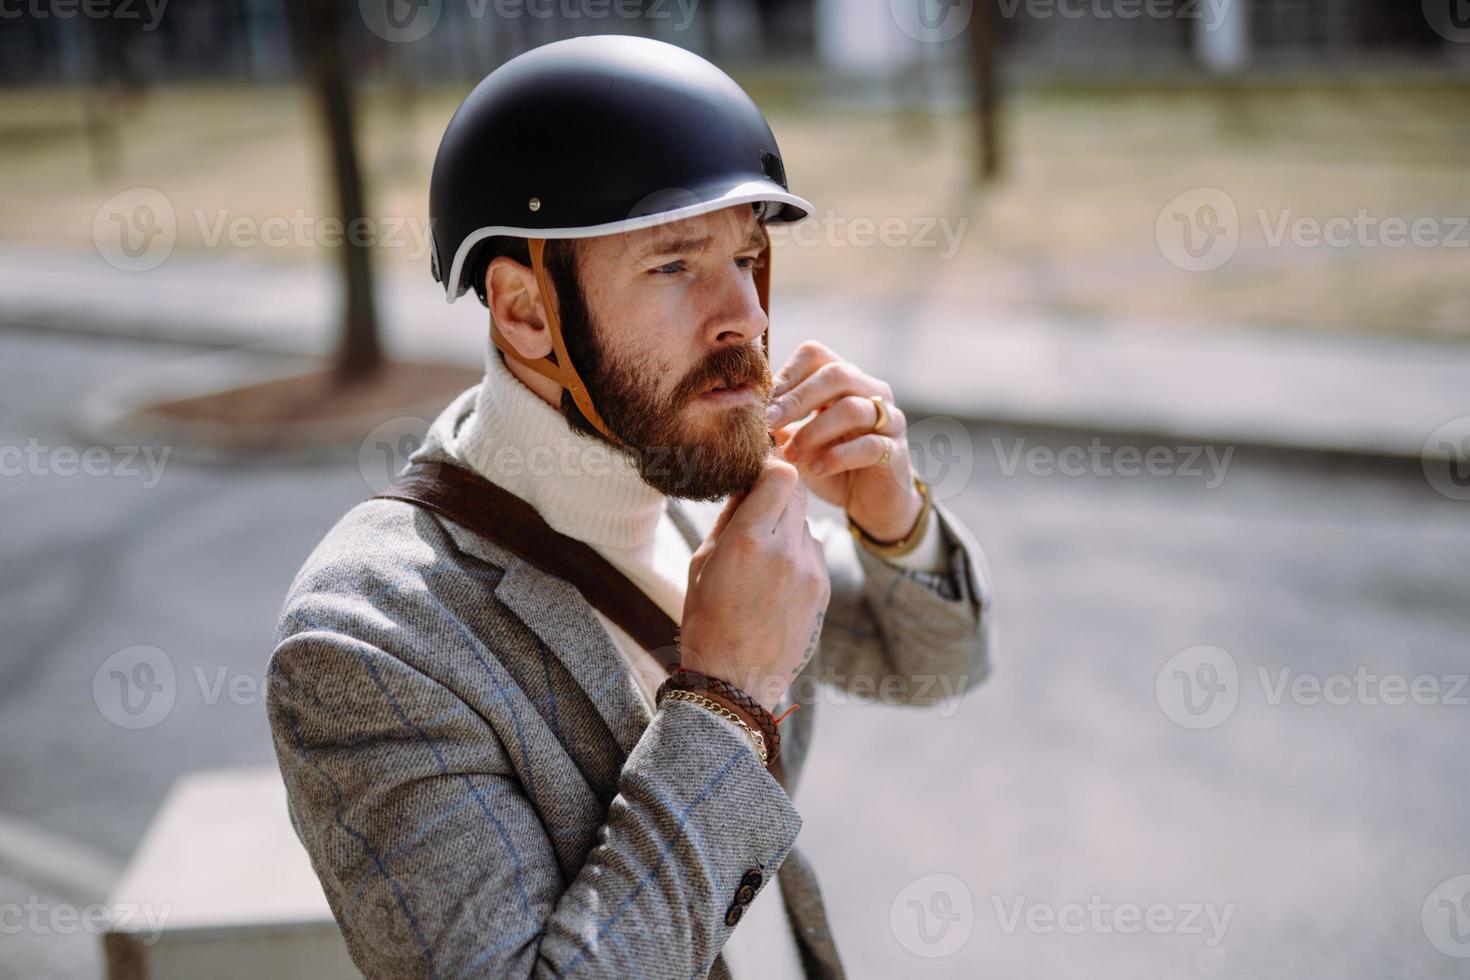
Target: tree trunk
point(318, 25)
point(985, 78)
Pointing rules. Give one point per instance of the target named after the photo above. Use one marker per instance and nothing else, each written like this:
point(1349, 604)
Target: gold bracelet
point(910, 541)
point(757, 740)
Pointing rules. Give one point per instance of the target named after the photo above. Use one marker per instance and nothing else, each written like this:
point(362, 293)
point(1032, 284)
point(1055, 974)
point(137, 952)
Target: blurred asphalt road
point(1321, 830)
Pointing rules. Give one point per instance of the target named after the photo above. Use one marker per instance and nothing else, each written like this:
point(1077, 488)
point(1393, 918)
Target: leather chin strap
point(558, 365)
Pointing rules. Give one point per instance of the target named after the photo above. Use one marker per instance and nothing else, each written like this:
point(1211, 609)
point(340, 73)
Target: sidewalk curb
point(1117, 424)
point(1231, 384)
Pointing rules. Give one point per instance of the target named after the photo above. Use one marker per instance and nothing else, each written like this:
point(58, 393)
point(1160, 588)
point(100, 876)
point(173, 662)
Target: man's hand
point(758, 588)
point(837, 453)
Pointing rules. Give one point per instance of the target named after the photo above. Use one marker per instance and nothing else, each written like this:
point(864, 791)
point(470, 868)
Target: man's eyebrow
point(674, 246)
point(683, 246)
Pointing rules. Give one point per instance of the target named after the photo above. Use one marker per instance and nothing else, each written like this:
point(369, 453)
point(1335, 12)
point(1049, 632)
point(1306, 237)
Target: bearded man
point(536, 706)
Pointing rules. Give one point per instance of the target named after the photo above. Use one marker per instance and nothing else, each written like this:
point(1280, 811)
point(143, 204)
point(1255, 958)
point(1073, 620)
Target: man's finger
point(826, 384)
point(762, 507)
point(803, 361)
point(793, 518)
point(707, 546)
point(732, 504)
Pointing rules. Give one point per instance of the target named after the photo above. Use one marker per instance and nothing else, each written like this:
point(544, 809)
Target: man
point(491, 775)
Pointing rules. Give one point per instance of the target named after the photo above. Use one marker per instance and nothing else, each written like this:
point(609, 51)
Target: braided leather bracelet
point(732, 698)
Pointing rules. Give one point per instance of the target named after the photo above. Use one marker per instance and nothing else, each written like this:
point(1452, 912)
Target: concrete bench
point(220, 887)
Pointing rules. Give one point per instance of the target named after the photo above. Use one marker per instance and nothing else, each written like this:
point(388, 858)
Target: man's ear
point(517, 307)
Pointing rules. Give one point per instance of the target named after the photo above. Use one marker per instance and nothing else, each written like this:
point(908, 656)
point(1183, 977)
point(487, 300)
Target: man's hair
point(575, 319)
point(559, 251)
point(560, 257)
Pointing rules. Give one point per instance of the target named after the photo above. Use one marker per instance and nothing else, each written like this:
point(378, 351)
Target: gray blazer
point(482, 790)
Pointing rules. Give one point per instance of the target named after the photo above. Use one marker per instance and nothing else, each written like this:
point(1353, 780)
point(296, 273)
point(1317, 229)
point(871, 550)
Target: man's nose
point(737, 317)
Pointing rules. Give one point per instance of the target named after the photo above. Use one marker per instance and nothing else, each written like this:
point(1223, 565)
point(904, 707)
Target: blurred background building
point(246, 40)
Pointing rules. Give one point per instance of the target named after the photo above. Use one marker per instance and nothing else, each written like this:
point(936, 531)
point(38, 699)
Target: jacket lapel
point(563, 620)
point(559, 615)
point(552, 609)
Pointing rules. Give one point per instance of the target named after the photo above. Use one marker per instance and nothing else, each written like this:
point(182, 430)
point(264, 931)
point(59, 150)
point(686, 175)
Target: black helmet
point(594, 136)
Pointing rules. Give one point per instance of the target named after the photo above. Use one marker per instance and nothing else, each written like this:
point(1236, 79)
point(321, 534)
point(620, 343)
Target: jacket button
point(733, 914)
point(744, 894)
point(753, 878)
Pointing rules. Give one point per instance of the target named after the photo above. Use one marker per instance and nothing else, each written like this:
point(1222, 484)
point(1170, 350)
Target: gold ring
point(887, 452)
point(882, 413)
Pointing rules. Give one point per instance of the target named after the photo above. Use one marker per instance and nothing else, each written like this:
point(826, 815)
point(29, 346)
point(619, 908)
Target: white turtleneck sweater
point(587, 490)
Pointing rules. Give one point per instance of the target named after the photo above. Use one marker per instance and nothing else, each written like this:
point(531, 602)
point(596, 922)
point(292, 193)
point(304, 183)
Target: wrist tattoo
point(811, 645)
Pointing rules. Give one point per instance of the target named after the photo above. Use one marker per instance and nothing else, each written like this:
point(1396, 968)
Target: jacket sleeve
point(893, 634)
point(435, 861)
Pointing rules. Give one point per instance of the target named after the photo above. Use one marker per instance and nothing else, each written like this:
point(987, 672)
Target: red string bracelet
point(788, 711)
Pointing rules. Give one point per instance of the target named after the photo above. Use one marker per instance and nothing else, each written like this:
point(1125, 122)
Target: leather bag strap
point(489, 510)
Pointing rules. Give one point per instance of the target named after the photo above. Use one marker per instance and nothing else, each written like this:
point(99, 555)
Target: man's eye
point(750, 261)
point(671, 268)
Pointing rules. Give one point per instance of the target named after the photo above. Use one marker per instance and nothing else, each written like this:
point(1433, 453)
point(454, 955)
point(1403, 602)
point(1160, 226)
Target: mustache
point(732, 366)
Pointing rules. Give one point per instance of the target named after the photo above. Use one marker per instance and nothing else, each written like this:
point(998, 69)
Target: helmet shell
point(598, 135)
